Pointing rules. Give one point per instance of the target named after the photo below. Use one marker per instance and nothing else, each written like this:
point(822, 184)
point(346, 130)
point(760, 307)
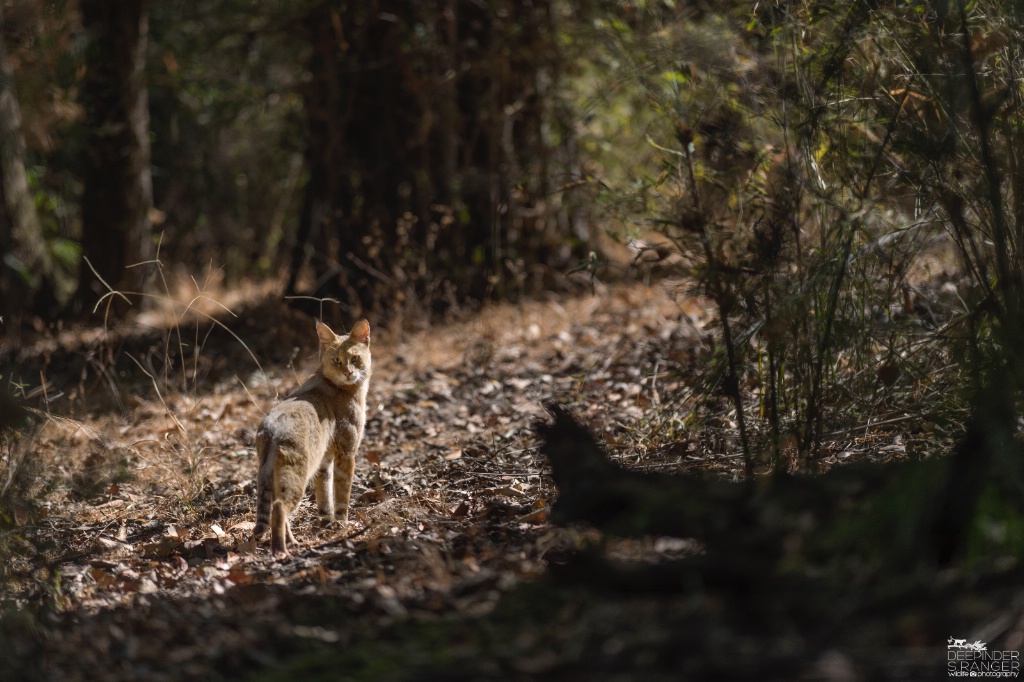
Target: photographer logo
point(967, 659)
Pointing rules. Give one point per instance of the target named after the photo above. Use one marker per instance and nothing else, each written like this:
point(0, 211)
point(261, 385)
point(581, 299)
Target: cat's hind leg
point(344, 469)
point(289, 486)
point(280, 530)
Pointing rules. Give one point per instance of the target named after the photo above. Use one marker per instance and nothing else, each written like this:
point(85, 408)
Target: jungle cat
point(314, 433)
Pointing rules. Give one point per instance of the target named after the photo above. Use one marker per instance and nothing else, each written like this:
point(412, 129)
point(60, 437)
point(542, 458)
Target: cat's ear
point(361, 332)
point(325, 333)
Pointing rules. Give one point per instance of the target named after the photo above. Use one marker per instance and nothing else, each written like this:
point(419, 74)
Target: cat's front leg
point(323, 485)
point(344, 469)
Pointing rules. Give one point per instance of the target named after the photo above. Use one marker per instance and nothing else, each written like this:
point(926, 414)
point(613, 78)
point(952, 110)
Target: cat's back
point(299, 412)
point(289, 414)
point(314, 402)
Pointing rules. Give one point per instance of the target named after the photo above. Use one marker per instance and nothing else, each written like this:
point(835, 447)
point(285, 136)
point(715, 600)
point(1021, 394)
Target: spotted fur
point(314, 434)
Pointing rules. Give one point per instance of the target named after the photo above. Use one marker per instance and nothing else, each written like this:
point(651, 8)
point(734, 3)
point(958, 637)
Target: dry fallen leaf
point(111, 545)
point(180, 565)
point(507, 491)
point(238, 576)
point(374, 496)
point(536, 516)
point(176, 533)
point(102, 578)
point(247, 546)
point(162, 549)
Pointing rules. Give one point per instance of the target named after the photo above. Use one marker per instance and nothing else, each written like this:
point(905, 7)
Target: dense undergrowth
point(842, 182)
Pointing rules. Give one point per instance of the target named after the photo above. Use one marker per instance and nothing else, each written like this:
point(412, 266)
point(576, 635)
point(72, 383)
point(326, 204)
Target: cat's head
point(345, 360)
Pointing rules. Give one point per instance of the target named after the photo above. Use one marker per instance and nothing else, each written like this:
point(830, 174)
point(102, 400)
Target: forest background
point(830, 194)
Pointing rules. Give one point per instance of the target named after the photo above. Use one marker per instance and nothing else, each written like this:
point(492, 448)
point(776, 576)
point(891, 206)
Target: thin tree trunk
point(117, 190)
point(28, 266)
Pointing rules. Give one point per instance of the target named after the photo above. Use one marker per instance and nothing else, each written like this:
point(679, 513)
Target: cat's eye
point(337, 361)
point(357, 362)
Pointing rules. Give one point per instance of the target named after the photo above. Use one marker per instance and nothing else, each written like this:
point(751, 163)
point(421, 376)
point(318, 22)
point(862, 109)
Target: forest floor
point(134, 560)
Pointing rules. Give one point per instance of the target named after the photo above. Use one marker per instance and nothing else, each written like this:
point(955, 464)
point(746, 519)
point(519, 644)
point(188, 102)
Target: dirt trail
point(141, 554)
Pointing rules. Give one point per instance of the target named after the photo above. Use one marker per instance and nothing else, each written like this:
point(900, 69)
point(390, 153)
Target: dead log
point(856, 520)
point(594, 490)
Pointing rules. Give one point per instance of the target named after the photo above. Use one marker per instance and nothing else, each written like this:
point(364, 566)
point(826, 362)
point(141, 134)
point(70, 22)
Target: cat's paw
point(328, 521)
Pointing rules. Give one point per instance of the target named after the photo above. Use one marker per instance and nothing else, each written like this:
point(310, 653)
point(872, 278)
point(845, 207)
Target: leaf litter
point(141, 555)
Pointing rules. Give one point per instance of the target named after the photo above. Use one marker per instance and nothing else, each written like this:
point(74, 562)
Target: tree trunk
point(117, 190)
point(27, 267)
point(325, 195)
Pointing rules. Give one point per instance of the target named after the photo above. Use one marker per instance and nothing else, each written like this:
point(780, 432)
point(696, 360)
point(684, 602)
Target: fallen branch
point(855, 521)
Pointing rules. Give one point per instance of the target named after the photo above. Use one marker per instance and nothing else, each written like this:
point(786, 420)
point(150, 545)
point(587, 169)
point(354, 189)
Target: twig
point(353, 534)
point(156, 387)
point(251, 399)
point(110, 290)
point(884, 422)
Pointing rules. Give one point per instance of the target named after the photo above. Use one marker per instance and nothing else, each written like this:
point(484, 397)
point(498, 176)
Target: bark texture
point(117, 190)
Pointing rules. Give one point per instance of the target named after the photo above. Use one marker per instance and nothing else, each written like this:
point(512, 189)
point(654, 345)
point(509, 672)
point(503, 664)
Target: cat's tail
point(264, 485)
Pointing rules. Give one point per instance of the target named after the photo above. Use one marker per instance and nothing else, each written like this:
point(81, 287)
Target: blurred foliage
point(19, 480)
point(843, 182)
point(227, 129)
point(236, 132)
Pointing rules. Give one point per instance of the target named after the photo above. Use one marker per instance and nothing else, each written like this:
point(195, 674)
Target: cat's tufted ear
point(324, 332)
point(361, 332)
